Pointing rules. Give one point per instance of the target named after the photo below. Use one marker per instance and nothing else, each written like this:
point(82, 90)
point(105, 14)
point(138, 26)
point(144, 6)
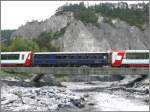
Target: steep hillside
point(69, 33)
point(34, 29)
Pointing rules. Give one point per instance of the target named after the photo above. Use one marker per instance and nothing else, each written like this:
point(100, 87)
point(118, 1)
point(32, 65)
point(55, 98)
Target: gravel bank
point(45, 98)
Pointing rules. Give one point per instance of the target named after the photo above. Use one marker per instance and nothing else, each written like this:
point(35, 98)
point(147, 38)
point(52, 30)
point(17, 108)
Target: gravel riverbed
point(128, 94)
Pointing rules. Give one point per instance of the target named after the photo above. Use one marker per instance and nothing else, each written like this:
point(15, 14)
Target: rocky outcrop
point(120, 35)
point(78, 37)
point(34, 29)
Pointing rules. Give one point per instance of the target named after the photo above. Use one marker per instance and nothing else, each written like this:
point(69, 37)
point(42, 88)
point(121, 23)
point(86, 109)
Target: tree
point(44, 41)
point(4, 47)
point(21, 44)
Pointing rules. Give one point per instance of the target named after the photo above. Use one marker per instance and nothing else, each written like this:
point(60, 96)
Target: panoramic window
point(137, 56)
point(9, 56)
point(58, 57)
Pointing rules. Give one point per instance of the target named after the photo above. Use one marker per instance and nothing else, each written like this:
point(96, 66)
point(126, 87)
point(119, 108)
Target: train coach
point(71, 59)
point(130, 58)
point(114, 58)
point(13, 59)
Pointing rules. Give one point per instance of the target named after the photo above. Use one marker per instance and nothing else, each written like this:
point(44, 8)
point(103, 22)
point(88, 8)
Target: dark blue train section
point(71, 59)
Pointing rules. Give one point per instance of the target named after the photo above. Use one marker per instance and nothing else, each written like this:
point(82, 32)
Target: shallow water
point(108, 102)
point(105, 101)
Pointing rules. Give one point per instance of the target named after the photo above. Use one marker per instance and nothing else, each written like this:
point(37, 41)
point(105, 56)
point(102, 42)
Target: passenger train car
point(134, 58)
point(114, 58)
point(70, 59)
point(12, 59)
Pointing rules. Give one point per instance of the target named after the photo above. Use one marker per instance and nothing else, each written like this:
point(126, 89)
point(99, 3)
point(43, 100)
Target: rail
point(80, 70)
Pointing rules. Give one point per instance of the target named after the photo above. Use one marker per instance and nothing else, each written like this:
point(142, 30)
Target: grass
point(13, 74)
point(62, 77)
point(2, 72)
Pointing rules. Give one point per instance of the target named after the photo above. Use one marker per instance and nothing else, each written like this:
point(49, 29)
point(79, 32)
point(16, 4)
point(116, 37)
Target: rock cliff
point(80, 37)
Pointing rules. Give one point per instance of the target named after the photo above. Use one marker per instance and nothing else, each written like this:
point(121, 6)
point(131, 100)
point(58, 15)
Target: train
point(113, 58)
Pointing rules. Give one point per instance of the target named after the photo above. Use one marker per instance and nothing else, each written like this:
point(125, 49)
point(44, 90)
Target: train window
point(3, 57)
point(87, 56)
point(47, 56)
point(79, 57)
point(93, 56)
point(83, 56)
point(71, 57)
point(22, 57)
point(58, 57)
point(104, 57)
point(90, 56)
point(137, 55)
point(64, 57)
point(9, 56)
point(75, 56)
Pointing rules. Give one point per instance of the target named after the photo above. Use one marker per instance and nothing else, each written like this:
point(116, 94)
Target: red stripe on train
point(139, 65)
point(14, 65)
point(8, 65)
point(28, 61)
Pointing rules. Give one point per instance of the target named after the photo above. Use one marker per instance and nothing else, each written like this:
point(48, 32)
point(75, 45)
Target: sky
point(16, 13)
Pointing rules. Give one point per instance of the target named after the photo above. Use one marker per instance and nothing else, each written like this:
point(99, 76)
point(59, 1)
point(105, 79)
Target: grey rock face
point(30, 30)
point(34, 28)
point(79, 37)
point(146, 38)
point(137, 38)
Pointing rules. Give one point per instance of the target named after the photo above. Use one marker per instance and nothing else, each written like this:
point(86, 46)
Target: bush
point(6, 34)
point(21, 44)
point(44, 41)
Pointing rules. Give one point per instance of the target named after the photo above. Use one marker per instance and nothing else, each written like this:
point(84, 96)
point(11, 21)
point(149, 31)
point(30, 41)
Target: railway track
point(80, 70)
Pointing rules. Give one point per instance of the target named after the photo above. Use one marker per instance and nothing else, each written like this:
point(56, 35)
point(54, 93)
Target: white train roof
point(137, 50)
point(19, 52)
point(132, 51)
point(67, 52)
point(23, 52)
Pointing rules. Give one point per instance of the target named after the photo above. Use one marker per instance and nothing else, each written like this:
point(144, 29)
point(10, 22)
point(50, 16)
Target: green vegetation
point(17, 75)
point(80, 12)
point(61, 32)
point(21, 44)
point(62, 77)
point(44, 41)
point(41, 43)
point(2, 72)
point(4, 47)
point(6, 34)
point(136, 14)
point(109, 21)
